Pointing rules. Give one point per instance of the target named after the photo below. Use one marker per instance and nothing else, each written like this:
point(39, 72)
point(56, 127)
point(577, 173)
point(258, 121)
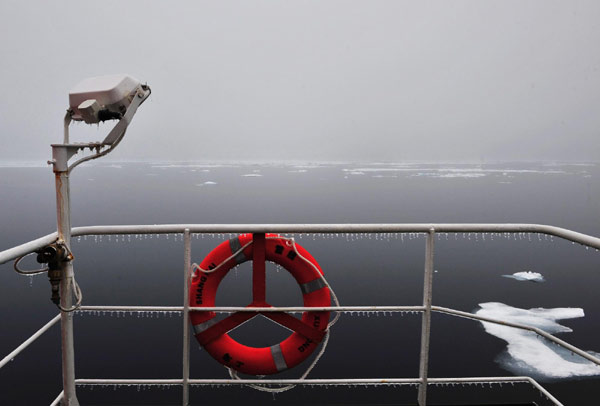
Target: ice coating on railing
point(526, 353)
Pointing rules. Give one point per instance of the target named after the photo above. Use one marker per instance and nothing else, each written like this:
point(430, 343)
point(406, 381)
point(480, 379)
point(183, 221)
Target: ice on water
point(449, 171)
point(527, 353)
point(450, 175)
point(526, 276)
point(207, 183)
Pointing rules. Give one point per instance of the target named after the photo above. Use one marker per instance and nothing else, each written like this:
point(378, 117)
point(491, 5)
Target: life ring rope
point(234, 375)
point(211, 329)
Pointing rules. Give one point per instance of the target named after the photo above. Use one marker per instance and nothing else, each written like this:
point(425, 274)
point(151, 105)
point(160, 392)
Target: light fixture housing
point(102, 98)
point(94, 100)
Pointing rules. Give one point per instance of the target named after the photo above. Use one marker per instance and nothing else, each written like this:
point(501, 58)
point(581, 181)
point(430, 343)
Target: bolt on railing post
point(426, 320)
point(187, 265)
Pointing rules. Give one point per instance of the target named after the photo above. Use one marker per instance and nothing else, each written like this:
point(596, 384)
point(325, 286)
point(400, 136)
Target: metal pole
point(426, 321)
point(60, 156)
point(187, 264)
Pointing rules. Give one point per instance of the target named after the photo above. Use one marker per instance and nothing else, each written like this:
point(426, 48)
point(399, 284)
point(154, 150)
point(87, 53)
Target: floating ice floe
point(252, 175)
point(529, 354)
point(453, 172)
point(458, 175)
point(190, 165)
point(526, 276)
point(309, 166)
point(207, 183)
point(440, 174)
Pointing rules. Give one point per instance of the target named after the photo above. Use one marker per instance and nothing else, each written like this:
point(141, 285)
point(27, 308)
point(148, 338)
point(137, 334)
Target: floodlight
point(102, 98)
point(95, 100)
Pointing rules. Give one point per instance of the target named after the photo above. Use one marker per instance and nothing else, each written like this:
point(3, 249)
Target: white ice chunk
point(529, 354)
point(526, 276)
point(207, 183)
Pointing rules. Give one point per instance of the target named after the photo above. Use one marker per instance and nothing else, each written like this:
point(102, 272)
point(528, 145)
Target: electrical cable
point(76, 288)
point(78, 296)
point(31, 272)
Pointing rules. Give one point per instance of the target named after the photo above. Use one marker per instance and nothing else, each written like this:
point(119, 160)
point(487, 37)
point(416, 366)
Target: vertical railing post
point(61, 171)
point(187, 265)
point(426, 320)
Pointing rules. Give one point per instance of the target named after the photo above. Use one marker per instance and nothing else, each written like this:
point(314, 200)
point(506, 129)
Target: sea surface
point(473, 273)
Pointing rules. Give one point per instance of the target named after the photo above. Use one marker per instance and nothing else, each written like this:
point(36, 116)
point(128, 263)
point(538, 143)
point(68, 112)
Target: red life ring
point(307, 332)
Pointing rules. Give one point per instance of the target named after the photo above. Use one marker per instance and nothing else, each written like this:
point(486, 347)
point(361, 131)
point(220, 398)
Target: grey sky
point(313, 80)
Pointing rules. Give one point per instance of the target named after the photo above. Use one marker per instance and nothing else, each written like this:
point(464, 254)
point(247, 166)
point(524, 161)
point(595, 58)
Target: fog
point(312, 80)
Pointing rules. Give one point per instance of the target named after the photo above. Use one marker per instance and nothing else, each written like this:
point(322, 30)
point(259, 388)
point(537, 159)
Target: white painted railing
point(430, 230)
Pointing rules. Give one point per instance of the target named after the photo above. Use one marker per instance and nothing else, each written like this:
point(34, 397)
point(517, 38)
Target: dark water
point(363, 270)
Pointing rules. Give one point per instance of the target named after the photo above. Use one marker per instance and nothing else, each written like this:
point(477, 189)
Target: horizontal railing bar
point(334, 381)
point(100, 381)
point(132, 308)
point(342, 228)
point(230, 309)
point(339, 381)
point(536, 330)
point(27, 342)
point(570, 235)
point(342, 309)
point(28, 247)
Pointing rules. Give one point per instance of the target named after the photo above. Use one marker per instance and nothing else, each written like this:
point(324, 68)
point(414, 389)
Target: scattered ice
point(451, 175)
point(526, 276)
point(385, 169)
point(299, 171)
point(207, 183)
point(252, 175)
point(191, 165)
point(311, 165)
point(527, 353)
point(451, 172)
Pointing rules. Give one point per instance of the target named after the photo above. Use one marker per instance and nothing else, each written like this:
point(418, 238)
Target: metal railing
point(426, 309)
